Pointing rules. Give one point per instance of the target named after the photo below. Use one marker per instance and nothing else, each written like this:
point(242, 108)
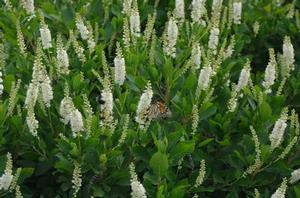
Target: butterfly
point(158, 110)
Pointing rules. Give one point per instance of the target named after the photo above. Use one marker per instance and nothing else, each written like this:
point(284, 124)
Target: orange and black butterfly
point(158, 110)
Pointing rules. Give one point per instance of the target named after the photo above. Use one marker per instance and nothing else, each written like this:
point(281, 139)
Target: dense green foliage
point(168, 154)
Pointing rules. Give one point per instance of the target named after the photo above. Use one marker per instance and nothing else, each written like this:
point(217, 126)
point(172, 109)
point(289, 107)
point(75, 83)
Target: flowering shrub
point(138, 98)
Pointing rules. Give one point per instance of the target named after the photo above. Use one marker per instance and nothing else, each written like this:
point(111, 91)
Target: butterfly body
point(158, 110)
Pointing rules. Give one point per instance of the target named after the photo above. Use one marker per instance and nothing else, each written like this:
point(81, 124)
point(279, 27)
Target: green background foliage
point(223, 139)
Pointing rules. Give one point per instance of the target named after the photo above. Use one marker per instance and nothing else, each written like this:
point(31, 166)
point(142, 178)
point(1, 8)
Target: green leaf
point(25, 173)
point(182, 149)
point(205, 142)
point(159, 164)
point(265, 111)
point(77, 81)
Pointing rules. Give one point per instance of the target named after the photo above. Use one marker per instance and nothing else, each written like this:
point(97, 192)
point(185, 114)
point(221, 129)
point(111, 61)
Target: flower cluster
point(171, 38)
point(270, 72)
point(198, 11)
point(201, 175)
point(45, 34)
point(138, 190)
point(7, 177)
point(77, 180)
point(276, 136)
point(70, 114)
point(143, 106)
point(280, 192)
point(120, 70)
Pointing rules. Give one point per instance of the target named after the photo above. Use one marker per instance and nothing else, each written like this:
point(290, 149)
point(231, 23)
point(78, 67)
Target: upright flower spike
point(84, 33)
point(230, 49)
point(270, 72)
point(28, 5)
point(88, 111)
point(45, 34)
point(204, 79)
point(65, 109)
point(20, 38)
point(276, 136)
point(91, 40)
point(216, 11)
point(1, 83)
point(143, 106)
point(288, 57)
point(13, 97)
point(120, 70)
point(232, 103)
point(280, 192)
point(8, 5)
point(62, 57)
point(201, 175)
point(149, 30)
point(198, 11)
point(78, 49)
point(171, 38)
point(40, 82)
point(195, 119)
point(46, 90)
point(126, 34)
point(7, 177)
point(256, 27)
point(244, 77)
point(179, 9)
point(137, 189)
point(31, 121)
point(196, 55)
point(77, 179)
point(237, 12)
point(213, 39)
point(295, 176)
point(127, 7)
point(76, 122)
point(107, 107)
point(124, 130)
point(257, 163)
point(135, 26)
